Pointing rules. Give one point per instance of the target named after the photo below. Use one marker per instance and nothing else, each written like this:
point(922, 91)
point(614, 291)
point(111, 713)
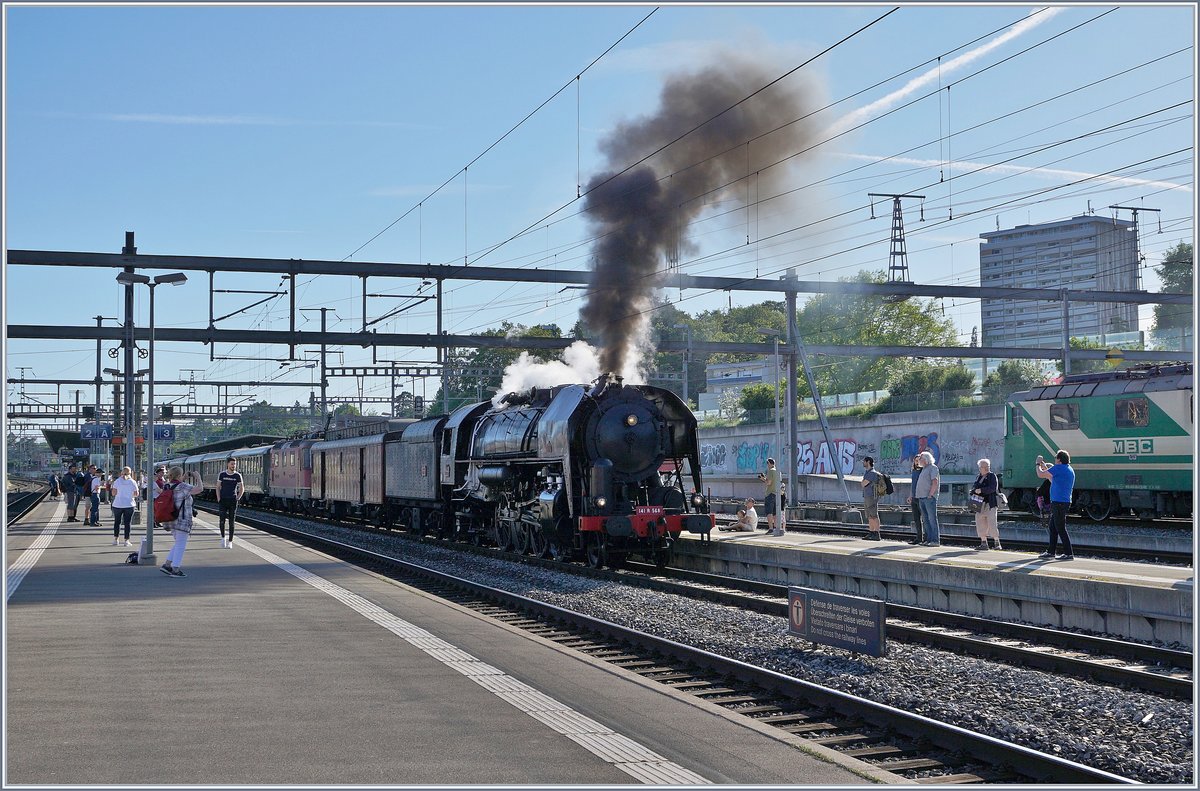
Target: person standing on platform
point(98, 485)
point(871, 497)
point(229, 491)
point(181, 526)
point(928, 485)
point(1062, 483)
point(70, 486)
point(85, 492)
point(124, 498)
point(986, 485)
point(914, 502)
point(771, 500)
point(53, 481)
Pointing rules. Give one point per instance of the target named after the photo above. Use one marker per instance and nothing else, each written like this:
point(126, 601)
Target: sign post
point(850, 622)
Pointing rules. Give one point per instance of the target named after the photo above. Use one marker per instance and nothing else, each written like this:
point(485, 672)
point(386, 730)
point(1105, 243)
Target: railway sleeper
point(965, 778)
point(910, 764)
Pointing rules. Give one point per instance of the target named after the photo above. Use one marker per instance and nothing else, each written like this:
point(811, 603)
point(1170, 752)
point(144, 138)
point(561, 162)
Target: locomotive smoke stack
point(640, 215)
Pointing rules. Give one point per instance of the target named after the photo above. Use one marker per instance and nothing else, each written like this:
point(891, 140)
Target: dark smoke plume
point(640, 216)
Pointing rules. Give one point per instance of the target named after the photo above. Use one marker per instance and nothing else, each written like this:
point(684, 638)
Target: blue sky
point(302, 132)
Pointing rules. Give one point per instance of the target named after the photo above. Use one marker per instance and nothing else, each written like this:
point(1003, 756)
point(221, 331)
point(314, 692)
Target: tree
point(488, 365)
point(1088, 366)
point(346, 410)
point(927, 385)
point(1010, 377)
point(728, 404)
point(1173, 323)
point(761, 396)
point(926, 378)
point(858, 320)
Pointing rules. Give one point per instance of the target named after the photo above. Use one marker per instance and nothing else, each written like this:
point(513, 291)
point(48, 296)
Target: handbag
point(975, 503)
point(1001, 500)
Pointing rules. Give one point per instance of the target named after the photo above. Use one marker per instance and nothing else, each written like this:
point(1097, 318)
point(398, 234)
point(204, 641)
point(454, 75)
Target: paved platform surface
point(274, 664)
point(1148, 575)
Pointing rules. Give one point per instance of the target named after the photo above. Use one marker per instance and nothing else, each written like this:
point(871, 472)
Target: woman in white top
point(124, 499)
point(181, 526)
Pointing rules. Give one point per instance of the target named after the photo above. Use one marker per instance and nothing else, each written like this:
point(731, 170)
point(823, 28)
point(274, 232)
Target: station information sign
point(161, 431)
point(850, 622)
point(96, 431)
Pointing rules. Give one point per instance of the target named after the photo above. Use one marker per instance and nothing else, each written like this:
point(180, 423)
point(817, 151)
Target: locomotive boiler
point(596, 471)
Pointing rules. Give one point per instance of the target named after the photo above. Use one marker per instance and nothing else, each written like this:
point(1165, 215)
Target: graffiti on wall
point(820, 460)
point(712, 457)
point(752, 456)
point(955, 454)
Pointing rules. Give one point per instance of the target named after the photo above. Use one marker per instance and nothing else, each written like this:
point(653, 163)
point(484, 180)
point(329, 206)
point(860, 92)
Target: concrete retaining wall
point(1010, 592)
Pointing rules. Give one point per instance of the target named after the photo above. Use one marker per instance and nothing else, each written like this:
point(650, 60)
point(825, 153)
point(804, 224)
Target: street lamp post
point(127, 279)
point(775, 383)
point(686, 354)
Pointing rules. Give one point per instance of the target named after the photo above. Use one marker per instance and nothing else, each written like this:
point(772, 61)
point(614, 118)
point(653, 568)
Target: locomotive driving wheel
point(521, 538)
point(597, 554)
point(537, 541)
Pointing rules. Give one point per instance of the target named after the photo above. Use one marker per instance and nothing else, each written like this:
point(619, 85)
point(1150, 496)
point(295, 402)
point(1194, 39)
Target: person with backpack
point(90, 496)
point(182, 491)
point(70, 487)
point(985, 487)
point(873, 488)
point(53, 481)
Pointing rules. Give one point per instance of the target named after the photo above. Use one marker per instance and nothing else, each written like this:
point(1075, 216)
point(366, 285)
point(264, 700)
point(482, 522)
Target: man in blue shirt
point(1062, 482)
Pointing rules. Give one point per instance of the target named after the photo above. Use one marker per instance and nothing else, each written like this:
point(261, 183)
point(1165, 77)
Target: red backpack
point(164, 505)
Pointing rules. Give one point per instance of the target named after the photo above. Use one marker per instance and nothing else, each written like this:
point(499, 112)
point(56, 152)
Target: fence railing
point(946, 399)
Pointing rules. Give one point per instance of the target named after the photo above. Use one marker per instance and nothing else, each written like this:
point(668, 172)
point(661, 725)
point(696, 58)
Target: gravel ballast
point(1134, 734)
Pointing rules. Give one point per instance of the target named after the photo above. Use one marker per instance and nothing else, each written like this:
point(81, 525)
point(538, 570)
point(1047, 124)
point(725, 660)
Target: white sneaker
point(231, 543)
point(116, 542)
point(223, 544)
point(128, 543)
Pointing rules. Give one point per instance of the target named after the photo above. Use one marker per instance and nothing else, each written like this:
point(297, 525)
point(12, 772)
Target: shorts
point(769, 505)
point(871, 506)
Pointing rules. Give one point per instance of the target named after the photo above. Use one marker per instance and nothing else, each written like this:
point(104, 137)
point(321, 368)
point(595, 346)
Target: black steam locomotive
point(567, 471)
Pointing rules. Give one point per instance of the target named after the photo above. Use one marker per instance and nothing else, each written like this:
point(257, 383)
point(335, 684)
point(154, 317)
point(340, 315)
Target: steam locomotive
point(571, 471)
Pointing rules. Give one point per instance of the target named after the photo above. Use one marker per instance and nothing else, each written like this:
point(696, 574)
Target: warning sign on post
point(849, 622)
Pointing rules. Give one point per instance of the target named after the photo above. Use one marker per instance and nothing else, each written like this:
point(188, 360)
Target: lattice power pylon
point(898, 257)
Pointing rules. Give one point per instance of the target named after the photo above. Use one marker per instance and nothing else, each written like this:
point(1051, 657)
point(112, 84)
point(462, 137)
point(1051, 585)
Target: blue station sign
point(850, 622)
point(99, 431)
point(161, 431)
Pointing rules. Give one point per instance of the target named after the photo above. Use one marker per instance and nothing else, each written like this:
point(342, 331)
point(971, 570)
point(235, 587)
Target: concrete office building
point(1085, 253)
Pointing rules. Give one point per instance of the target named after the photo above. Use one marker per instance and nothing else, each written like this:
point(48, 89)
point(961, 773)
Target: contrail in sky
point(856, 117)
point(1032, 171)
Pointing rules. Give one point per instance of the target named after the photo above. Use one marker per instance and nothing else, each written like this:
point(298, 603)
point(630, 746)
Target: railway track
point(22, 497)
point(917, 748)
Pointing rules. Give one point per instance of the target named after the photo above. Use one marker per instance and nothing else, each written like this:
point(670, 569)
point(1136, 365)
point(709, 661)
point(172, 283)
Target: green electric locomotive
point(1130, 434)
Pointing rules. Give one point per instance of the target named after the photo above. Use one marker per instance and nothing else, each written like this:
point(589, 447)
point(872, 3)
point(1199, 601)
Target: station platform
point(271, 663)
point(1137, 601)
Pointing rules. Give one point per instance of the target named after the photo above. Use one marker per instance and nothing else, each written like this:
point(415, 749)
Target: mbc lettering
point(1133, 447)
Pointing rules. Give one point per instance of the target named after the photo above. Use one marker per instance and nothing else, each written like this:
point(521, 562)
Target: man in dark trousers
point(70, 486)
point(229, 491)
point(914, 502)
point(1062, 482)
